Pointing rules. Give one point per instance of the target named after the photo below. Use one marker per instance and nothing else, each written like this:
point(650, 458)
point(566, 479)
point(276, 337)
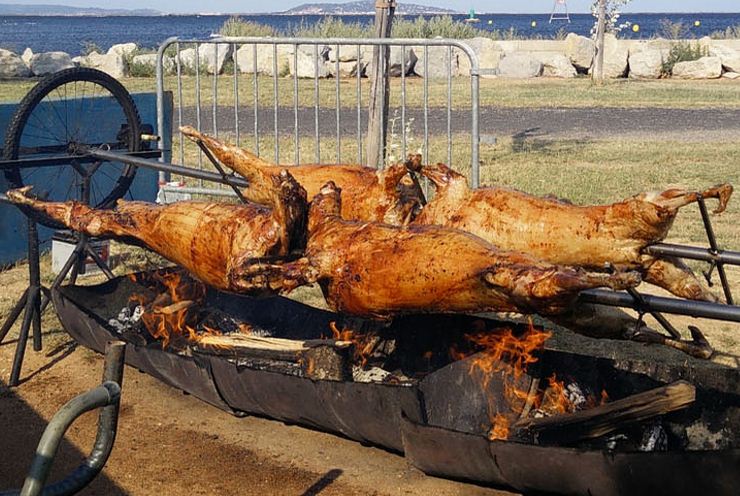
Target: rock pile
point(636, 59)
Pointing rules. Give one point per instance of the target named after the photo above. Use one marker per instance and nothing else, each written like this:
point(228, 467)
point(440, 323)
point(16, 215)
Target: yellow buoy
point(636, 28)
point(697, 23)
point(534, 24)
point(490, 21)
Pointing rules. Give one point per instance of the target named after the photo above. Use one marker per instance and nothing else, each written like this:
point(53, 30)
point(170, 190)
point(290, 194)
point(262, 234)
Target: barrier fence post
point(377, 126)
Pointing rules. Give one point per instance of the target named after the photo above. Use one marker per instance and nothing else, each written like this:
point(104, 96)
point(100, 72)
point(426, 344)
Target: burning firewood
point(599, 421)
point(387, 195)
point(378, 270)
point(211, 240)
point(563, 233)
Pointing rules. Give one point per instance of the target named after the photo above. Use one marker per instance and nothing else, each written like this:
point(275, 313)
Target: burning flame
point(504, 355)
point(363, 343)
point(169, 313)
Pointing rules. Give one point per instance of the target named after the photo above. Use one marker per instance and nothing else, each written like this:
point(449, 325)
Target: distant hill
point(65, 10)
point(362, 7)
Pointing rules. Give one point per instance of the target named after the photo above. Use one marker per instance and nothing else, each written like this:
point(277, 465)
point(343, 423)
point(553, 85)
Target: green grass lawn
point(539, 92)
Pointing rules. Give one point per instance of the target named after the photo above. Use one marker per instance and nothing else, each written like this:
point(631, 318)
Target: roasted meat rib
point(213, 241)
point(378, 270)
point(562, 233)
point(387, 195)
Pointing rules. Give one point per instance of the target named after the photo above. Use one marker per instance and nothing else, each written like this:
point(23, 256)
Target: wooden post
point(377, 125)
point(598, 73)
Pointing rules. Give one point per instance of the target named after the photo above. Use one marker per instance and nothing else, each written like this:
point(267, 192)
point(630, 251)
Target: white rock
point(730, 58)
point(520, 66)
point(346, 69)
point(50, 62)
point(111, 63)
point(731, 75)
point(149, 60)
point(580, 50)
point(27, 55)
point(122, 49)
point(311, 62)
point(557, 65)
point(704, 68)
point(12, 65)
point(211, 57)
point(79, 60)
point(440, 59)
point(398, 59)
point(244, 59)
point(488, 52)
point(646, 64)
point(616, 56)
point(348, 53)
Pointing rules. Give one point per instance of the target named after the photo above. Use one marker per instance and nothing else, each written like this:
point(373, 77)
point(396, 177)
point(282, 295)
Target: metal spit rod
point(675, 306)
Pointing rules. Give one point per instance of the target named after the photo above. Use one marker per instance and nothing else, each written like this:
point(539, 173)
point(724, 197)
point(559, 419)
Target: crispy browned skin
point(562, 233)
point(380, 196)
point(211, 240)
point(378, 270)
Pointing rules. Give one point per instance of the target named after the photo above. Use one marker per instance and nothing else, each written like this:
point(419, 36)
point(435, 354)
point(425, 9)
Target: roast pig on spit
point(378, 270)
point(389, 195)
point(563, 233)
point(213, 241)
point(365, 269)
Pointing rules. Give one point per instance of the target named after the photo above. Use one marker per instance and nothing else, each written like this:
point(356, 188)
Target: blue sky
point(511, 6)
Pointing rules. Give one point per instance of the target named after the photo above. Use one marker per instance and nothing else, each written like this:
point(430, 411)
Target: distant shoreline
point(348, 14)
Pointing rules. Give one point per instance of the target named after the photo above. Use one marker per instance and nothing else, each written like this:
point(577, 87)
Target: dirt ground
point(174, 444)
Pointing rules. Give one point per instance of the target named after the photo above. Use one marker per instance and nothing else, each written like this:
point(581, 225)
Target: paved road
point(550, 123)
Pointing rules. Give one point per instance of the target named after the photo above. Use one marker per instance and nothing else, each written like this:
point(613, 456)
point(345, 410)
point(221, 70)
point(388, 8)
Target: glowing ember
point(364, 344)
point(170, 313)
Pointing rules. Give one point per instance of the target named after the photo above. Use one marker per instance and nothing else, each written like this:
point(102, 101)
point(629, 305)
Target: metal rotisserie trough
point(432, 408)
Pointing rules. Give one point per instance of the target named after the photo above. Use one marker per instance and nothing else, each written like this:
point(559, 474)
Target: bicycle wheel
point(63, 113)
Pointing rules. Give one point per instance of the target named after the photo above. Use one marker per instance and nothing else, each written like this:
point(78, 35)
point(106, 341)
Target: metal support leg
point(714, 250)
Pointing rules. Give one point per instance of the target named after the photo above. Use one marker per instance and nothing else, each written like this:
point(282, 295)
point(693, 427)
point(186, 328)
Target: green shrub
point(236, 26)
point(730, 33)
point(673, 30)
point(89, 47)
point(330, 27)
point(141, 70)
point(682, 52)
point(442, 26)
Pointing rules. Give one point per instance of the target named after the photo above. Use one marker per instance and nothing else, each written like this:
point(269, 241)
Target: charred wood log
point(599, 421)
point(320, 359)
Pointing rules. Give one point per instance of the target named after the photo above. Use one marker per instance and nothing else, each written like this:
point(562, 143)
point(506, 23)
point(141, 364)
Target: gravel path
point(656, 124)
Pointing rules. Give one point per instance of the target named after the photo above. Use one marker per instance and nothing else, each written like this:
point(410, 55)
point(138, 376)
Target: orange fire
point(170, 313)
point(506, 356)
point(363, 343)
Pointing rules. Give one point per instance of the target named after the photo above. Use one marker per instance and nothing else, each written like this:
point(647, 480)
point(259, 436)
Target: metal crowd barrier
point(193, 65)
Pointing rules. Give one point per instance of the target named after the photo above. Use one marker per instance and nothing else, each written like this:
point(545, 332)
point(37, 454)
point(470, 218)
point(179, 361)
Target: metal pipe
point(316, 101)
point(159, 70)
point(166, 167)
point(694, 253)
point(699, 309)
point(107, 396)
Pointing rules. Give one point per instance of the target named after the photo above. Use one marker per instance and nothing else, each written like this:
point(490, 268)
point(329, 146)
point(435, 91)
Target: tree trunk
point(377, 127)
point(598, 73)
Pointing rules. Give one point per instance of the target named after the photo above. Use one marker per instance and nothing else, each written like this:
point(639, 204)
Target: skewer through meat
point(563, 233)
point(378, 270)
point(387, 195)
point(213, 241)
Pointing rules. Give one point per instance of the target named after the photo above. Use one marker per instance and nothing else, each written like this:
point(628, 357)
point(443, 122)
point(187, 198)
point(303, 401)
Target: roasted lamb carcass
point(389, 195)
point(211, 240)
point(378, 270)
point(563, 233)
